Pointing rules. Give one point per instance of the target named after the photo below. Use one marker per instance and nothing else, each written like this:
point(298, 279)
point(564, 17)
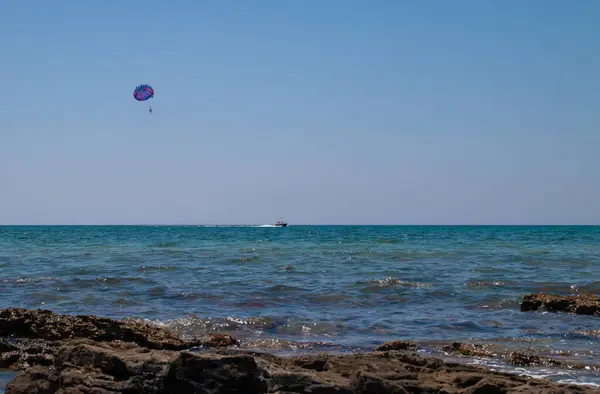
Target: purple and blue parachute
point(143, 92)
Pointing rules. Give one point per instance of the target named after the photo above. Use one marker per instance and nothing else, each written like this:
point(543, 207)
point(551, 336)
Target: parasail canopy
point(143, 92)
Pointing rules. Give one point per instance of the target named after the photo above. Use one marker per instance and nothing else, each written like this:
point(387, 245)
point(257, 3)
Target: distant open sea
point(326, 288)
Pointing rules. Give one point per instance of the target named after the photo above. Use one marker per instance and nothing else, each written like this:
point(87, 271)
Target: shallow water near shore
point(5, 377)
point(324, 288)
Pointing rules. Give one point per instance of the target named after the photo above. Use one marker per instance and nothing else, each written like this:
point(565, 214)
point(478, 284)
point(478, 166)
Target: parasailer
point(143, 92)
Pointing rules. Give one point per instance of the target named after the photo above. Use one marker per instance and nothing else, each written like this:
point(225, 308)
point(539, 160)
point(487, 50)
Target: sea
point(321, 288)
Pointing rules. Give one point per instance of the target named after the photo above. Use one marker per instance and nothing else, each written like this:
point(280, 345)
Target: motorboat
point(281, 223)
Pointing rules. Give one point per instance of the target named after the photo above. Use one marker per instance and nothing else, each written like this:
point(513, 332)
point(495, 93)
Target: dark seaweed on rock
point(581, 304)
point(396, 345)
point(47, 325)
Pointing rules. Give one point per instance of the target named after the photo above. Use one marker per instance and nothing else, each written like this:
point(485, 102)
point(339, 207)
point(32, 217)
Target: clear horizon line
point(290, 225)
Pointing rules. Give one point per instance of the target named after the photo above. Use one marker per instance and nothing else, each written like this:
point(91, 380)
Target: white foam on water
point(553, 374)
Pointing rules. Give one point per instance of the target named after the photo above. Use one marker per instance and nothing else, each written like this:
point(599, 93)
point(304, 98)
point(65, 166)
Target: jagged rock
point(584, 304)
point(84, 366)
point(18, 353)
point(62, 354)
point(31, 336)
point(45, 324)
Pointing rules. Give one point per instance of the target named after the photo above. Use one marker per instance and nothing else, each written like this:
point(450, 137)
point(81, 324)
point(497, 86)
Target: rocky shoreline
point(57, 353)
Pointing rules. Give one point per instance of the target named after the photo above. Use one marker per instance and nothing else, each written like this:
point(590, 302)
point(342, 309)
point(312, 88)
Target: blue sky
point(338, 111)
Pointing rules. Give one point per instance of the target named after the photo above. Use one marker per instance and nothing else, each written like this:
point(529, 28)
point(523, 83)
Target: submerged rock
point(584, 304)
point(470, 350)
point(396, 345)
point(107, 368)
point(518, 358)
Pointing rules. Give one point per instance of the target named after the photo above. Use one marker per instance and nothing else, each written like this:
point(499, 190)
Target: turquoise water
point(333, 287)
point(5, 377)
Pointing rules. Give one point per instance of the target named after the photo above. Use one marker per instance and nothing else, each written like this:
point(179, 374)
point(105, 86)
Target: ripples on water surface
point(348, 286)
